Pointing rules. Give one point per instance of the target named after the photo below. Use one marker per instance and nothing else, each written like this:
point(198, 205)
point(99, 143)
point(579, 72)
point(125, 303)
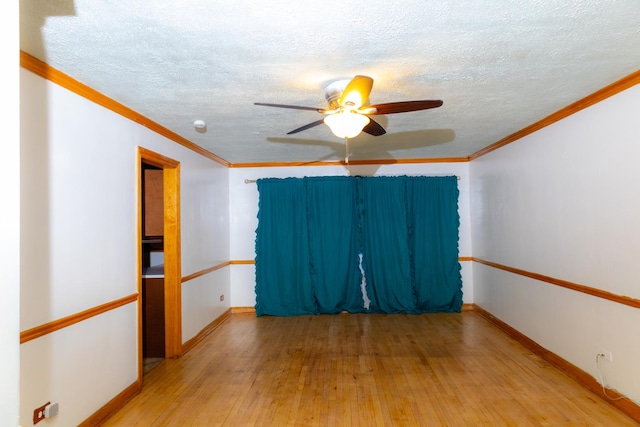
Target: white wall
point(563, 202)
point(201, 301)
point(10, 218)
point(204, 218)
point(78, 246)
point(244, 210)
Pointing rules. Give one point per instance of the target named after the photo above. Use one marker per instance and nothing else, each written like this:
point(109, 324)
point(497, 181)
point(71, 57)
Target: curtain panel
point(357, 244)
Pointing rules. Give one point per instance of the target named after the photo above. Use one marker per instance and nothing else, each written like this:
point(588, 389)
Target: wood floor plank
point(453, 369)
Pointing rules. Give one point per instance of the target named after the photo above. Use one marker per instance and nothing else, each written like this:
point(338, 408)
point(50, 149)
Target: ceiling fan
point(349, 114)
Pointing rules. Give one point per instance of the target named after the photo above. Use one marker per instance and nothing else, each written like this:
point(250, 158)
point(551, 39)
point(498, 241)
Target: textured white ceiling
point(499, 66)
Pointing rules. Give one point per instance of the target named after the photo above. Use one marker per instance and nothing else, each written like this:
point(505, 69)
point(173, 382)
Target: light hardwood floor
point(362, 370)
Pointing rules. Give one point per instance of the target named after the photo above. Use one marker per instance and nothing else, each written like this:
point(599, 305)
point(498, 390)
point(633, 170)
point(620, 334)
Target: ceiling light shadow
point(337, 147)
point(404, 140)
point(367, 147)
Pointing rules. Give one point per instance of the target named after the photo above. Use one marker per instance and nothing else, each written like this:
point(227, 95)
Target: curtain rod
point(251, 181)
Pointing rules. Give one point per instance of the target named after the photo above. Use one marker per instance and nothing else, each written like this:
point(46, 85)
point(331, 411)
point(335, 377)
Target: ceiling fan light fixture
point(346, 124)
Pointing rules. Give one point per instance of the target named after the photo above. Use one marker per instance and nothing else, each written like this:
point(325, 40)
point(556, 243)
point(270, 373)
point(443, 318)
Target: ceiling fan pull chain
point(346, 155)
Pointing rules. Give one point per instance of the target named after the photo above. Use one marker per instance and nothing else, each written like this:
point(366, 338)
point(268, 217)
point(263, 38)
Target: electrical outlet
point(221, 297)
point(38, 413)
point(607, 355)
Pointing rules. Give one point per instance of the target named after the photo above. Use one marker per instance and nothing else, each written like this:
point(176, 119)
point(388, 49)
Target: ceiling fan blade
point(404, 106)
point(307, 126)
point(294, 107)
point(357, 92)
point(374, 128)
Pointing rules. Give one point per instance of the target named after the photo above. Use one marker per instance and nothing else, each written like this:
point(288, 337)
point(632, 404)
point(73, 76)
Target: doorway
point(152, 288)
point(159, 284)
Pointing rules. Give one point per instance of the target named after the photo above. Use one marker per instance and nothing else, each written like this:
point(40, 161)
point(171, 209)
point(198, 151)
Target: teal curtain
point(283, 282)
point(432, 204)
point(333, 243)
point(385, 244)
point(380, 244)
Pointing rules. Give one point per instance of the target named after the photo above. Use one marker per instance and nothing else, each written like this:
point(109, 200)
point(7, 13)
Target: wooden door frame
point(172, 267)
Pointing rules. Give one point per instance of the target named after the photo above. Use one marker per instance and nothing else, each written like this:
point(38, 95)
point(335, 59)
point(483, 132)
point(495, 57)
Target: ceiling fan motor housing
point(333, 91)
